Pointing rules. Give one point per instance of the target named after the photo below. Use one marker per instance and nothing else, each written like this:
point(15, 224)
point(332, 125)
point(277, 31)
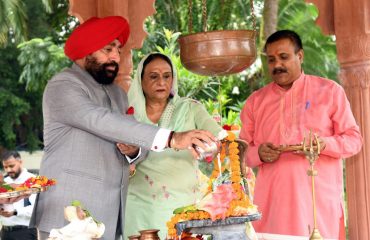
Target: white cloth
point(85, 229)
point(269, 236)
point(23, 213)
point(77, 229)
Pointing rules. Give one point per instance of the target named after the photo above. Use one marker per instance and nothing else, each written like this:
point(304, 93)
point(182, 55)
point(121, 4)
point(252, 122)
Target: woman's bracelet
point(169, 140)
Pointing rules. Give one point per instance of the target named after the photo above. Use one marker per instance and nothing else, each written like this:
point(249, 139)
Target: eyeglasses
point(110, 49)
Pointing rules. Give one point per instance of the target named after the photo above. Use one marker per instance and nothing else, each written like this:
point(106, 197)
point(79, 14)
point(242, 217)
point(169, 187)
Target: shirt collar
point(84, 73)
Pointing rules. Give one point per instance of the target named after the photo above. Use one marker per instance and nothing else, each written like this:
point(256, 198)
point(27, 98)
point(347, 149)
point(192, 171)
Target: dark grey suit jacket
point(82, 122)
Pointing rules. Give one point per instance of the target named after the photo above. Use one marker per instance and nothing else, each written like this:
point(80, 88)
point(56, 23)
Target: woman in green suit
point(161, 183)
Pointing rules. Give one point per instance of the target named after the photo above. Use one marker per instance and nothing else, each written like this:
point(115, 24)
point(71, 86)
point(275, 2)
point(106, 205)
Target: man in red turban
point(84, 118)
point(105, 34)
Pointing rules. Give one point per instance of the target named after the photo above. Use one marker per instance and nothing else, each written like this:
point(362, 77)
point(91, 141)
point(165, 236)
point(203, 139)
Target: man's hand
point(128, 150)
point(321, 143)
point(12, 199)
point(186, 140)
point(6, 214)
point(268, 152)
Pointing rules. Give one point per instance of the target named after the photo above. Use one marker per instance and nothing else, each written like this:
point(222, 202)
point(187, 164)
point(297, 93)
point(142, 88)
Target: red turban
point(94, 34)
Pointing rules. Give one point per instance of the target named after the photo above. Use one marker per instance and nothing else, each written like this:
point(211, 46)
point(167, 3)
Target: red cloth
point(94, 34)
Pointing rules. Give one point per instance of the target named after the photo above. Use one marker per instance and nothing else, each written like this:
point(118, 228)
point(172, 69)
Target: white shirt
point(159, 143)
point(23, 213)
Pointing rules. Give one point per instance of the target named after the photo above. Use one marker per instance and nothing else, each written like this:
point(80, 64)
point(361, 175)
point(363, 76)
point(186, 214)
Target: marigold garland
point(229, 148)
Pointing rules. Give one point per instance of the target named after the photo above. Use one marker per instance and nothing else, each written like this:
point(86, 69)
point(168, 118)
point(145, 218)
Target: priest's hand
point(319, 142)
point(268, 152)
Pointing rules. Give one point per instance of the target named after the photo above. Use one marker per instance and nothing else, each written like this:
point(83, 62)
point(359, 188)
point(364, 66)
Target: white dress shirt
point(159, 143)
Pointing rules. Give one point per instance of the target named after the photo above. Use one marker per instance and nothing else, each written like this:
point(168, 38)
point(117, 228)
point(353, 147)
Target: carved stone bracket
point(353, 49)
point(355, 76)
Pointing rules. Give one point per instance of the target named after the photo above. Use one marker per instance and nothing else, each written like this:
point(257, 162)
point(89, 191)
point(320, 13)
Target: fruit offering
point(32, 182)
point(38, 182)
point(6, 188)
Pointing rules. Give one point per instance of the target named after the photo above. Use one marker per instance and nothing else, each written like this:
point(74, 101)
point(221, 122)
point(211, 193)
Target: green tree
point(320, 50)
point(40, 59)
point(13, 21)
point(21, 114)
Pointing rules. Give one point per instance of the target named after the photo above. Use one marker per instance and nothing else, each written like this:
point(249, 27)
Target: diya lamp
point(312, 153)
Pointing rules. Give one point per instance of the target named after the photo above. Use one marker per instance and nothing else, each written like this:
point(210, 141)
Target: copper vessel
point(134, 237)
point(149, 234)
point(217, 53)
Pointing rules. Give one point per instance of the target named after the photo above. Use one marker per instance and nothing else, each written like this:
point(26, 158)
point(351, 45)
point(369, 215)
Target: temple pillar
point(135, 11)
point(350, 22)
point(352, 29)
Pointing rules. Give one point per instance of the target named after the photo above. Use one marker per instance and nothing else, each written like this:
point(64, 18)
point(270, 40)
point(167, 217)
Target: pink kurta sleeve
point(247, 133)
point(346, 139)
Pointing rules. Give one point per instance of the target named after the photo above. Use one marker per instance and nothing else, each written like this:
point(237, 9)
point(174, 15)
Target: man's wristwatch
point(15, 213)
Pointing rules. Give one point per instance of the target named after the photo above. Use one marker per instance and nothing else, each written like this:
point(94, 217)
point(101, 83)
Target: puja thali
point(14, 194)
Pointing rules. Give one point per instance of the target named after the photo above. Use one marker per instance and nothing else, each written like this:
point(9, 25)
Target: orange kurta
point(283, 188)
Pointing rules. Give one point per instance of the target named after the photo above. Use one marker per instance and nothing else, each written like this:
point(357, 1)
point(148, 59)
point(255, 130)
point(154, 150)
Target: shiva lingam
point(231, 227)
point(312, 153)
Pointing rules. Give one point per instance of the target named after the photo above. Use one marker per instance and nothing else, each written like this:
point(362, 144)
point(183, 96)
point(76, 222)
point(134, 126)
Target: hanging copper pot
point(217, 53)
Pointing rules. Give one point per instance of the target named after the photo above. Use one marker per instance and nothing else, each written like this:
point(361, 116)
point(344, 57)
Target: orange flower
point(229, 150)
point(231, 136)
point(233, 151)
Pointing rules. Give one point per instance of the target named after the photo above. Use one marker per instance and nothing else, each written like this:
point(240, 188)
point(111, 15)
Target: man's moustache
point(279, 70)
point(113, 64)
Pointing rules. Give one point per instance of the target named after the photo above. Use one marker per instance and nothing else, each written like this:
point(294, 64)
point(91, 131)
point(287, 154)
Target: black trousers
point(18, 233)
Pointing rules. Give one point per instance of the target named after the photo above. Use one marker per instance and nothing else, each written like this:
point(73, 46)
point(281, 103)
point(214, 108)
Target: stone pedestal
point(232, 228)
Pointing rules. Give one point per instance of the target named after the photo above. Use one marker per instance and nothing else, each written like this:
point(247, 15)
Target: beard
point(100, 71)
point(14, 175)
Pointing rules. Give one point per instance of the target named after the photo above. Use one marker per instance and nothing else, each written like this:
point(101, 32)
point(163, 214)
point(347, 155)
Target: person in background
point(165, 180)
point(281, 114)
point(85, 116)
point(1, 178)
point(15, 217)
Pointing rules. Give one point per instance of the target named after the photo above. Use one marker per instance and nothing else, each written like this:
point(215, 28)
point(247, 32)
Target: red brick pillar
point(352, 29)
point(349, 20)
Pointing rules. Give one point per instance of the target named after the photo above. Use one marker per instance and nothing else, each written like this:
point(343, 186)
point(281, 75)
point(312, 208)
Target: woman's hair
point(153, 56)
